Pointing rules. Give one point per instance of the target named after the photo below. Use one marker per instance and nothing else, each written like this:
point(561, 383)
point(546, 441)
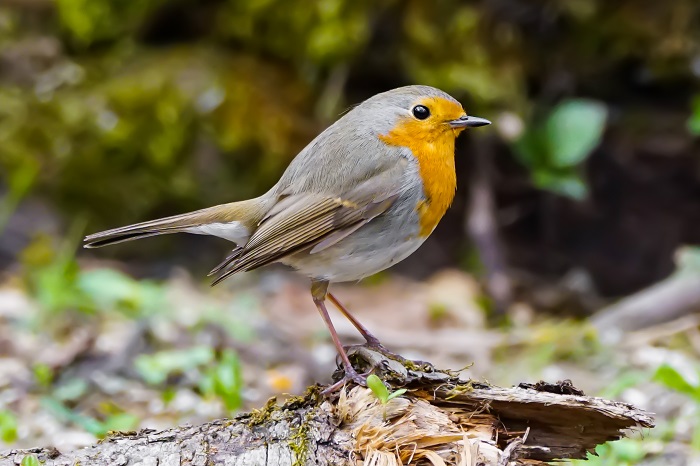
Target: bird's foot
point(351, 375)
point(421, 366)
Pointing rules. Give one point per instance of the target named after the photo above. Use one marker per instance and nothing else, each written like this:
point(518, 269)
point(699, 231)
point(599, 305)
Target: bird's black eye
point(421, 112)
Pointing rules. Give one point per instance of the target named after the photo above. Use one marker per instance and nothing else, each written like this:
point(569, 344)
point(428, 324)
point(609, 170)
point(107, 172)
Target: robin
point(362, 196)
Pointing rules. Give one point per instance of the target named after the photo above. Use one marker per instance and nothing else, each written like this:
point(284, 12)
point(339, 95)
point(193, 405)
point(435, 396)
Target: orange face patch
point(432, 142)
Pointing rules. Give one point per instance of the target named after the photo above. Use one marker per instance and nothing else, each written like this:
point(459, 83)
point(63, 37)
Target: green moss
point(116, 435)
point(299, 440)
point(311, 397)
point(260, 416)
point(459, 390)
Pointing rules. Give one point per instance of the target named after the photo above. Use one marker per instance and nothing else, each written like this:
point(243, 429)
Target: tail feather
point(235, 254)
point(230, 221)
point(119, 238)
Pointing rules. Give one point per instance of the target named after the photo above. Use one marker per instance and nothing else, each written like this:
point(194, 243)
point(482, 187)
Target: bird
point(360, 197)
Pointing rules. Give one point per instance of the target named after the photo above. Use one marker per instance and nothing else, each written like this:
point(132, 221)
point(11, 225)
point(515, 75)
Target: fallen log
point(442, 419)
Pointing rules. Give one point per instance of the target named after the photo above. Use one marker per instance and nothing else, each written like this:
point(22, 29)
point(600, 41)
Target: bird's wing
point(312, 221)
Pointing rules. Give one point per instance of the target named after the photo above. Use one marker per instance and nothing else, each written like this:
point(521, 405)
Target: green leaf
point(567, 184)
point(397, 393)
point(8, 426)
point(694, 120)
point(671, 378)
point(378, 388)
point(30, 460)
point(573, 130)
point(227, 378)
point(155, 368)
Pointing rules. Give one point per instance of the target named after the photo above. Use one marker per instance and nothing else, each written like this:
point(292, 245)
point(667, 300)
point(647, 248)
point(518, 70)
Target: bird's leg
point(319, 290)
point(372, 341)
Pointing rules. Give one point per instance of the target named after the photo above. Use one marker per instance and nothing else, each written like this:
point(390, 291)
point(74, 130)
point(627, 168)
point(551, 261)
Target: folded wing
point(311, 221)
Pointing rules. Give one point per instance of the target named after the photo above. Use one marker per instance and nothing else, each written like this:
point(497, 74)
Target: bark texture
point(442, 420)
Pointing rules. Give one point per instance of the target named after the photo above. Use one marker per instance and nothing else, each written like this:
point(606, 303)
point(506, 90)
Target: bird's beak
point(466, 121)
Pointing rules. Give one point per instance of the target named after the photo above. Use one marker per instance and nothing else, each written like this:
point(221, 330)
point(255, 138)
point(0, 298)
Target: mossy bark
point(440, 416)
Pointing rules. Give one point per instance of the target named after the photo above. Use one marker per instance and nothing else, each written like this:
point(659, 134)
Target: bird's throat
point(436, 164)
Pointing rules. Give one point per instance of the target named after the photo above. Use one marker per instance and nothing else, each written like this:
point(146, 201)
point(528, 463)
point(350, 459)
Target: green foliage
point(156, 368)
point(106, 123)
point(674, 380)
point(324, 32)
point(444, 44)
point(88, 21)
point(553, 150)
point(573, 130)
point(52, 274)
point(30, 460)
point(225, 380)
point(219, 376)
point(115, 420)
point(624, 452)
point(237, 325)
point(694, 119)
point(43, 375)
point(59, 285)
point(380, 391)
point(109, 289)
point(671, 378)
point(118, 145)
point(8, 426)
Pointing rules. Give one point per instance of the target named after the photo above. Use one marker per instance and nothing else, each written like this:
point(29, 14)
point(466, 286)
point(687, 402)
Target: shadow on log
point(441, 420)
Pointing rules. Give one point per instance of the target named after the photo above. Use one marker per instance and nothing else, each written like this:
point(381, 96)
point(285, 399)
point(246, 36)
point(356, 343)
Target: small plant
point(219, 375)
point(30, 460)
point(381, 392)
point(225, 380)
point(674, 380)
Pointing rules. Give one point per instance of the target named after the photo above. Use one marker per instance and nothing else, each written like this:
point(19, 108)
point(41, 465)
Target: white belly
point(342, 265)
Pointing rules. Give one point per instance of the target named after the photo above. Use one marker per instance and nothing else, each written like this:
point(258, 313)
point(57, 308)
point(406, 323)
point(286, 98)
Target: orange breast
point(434, 149)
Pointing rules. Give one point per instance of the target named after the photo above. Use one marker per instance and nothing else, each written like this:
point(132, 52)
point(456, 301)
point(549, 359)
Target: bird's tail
point(233, 221)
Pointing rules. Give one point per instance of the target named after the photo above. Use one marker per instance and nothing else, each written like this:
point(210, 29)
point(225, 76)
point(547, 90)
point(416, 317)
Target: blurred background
point(570, 252)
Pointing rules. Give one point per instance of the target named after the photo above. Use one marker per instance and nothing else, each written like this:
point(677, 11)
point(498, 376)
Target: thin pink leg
point(371, 339)
point(318, 292)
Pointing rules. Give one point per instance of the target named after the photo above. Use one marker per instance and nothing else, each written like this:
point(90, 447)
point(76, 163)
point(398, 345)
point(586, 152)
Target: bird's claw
point(422, 366)
point(351, 375)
